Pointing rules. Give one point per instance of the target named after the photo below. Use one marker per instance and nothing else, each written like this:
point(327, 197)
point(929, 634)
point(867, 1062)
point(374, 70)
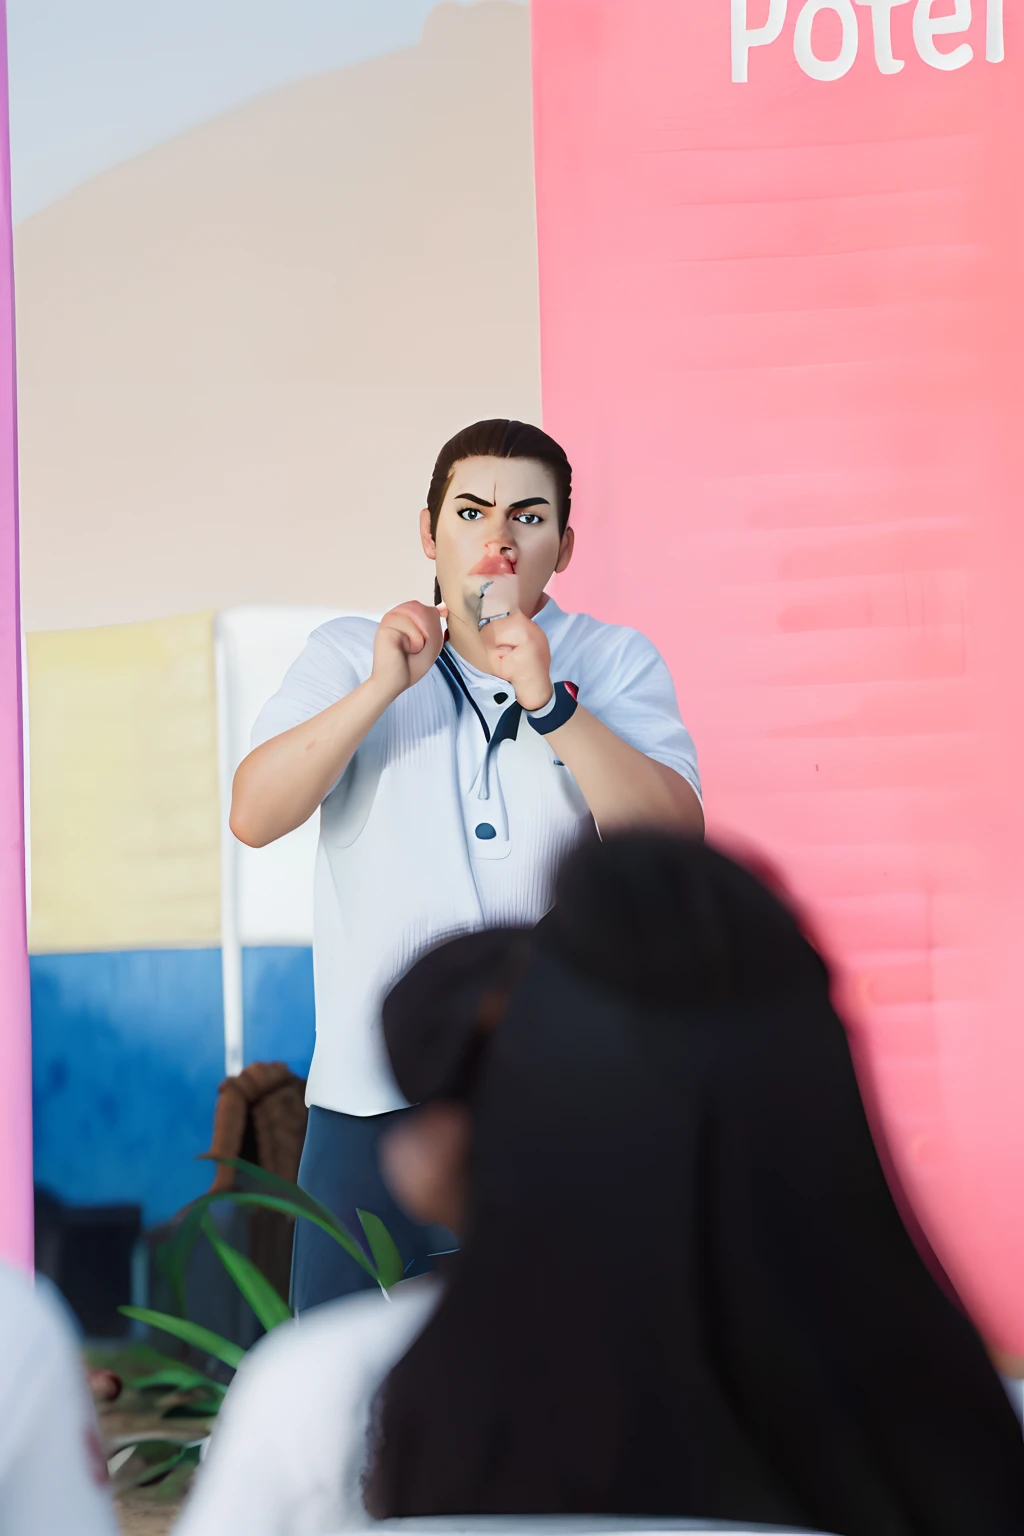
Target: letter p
point(744, 37)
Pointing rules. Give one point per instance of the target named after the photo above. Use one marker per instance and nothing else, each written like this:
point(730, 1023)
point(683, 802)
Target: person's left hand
point(519, 652)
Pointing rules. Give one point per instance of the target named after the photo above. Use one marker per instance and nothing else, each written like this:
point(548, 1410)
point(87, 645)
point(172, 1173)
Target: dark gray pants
point(339, 1168)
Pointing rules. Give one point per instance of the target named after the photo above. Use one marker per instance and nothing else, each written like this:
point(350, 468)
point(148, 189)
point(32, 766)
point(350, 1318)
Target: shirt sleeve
point(247, 1481)
point(53, 1473)
point(630, 690)
point(323, 674)
point(289, 1444)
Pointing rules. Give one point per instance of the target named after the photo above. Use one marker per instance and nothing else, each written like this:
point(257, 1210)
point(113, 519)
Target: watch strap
point(560, 708)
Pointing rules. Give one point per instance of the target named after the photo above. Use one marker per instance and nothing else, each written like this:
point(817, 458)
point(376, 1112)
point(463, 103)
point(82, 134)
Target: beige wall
point(125, 791)
point(240, 352)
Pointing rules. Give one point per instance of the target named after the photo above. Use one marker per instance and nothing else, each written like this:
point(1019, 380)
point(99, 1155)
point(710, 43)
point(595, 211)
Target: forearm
point(280, 784)
point(623, 787)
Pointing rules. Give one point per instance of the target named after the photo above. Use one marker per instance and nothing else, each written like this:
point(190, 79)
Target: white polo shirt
point(452, 816)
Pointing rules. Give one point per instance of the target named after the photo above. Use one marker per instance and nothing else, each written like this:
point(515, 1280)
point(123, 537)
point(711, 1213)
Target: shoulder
point(289, 1443)
point(340, 1344)
point(19, 1299)
point(33, 1319)
point(593, 641)
point(337, 654)
point(291, 1434)
point(350, 636)
point(42, 1378)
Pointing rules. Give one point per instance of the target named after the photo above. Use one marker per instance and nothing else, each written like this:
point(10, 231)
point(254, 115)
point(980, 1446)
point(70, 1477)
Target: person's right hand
point(407, 644)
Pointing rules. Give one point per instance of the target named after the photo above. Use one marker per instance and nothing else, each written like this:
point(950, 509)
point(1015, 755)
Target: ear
point(423, 1160)
point(565, 549)
point(426, 537)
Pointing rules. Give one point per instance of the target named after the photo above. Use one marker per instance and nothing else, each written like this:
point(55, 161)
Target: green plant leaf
point(151, 1442)
point(199, 1408)
point(153, 1452)
point(128, 1360)
point(276, 1184)
point(289, 1207)
point(156, 1470)
point(304, 1203)
point(172, 1487)
point(287, 1198)
point(256, 1289)
point(177, 1378)
point(386, 1256)
point(191, 1333)
point(173, 1255)
point(187, 1455)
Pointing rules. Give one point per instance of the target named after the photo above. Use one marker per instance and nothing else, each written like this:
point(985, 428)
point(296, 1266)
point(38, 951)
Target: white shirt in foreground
point(53, 1475)
point(289, 1446)
point(428, 833)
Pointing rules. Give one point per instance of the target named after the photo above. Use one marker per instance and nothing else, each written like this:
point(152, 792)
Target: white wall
point(266, 893)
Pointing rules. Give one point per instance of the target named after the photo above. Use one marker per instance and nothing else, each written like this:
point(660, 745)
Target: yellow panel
point(125, 819)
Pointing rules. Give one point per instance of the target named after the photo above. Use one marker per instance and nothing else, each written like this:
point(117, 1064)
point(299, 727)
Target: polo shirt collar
point(548, 616)
point(472, 675)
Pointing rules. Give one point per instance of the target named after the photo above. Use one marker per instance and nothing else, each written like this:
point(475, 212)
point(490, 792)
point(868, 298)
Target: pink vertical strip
point(782, 337)
point(15, 1026)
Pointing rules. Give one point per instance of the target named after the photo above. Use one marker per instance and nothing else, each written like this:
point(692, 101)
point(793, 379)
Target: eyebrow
point(515, 506)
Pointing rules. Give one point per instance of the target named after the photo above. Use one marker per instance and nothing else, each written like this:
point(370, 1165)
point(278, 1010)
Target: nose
point(501, 544)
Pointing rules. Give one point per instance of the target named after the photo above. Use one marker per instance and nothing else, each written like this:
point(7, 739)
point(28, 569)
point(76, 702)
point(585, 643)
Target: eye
point(469, 514)
point(528, 518)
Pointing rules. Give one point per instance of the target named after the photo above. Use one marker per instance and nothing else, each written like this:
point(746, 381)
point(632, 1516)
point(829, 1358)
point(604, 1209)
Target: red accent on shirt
point(95, 1458)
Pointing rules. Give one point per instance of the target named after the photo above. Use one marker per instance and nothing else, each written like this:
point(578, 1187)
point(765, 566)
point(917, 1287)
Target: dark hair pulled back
point(499, 439)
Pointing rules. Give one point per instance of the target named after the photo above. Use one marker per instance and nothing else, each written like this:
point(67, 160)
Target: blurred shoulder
point(33, 1316)
point(350, 1338)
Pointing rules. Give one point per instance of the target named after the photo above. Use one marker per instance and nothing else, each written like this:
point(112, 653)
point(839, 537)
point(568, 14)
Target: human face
point(499, 517)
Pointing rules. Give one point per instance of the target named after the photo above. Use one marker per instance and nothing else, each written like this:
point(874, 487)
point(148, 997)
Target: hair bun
point(667, 919)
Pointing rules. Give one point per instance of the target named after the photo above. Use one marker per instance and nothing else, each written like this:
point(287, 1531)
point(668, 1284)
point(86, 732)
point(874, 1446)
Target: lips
point(494, 565)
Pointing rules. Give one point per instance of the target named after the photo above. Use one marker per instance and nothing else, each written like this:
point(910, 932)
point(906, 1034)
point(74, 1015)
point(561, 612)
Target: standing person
point(452, 770)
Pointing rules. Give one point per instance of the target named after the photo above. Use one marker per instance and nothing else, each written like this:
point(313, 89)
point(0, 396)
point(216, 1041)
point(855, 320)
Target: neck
point(468, 641)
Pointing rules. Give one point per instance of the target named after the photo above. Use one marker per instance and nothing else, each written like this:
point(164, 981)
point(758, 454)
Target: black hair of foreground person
point(685, 1289)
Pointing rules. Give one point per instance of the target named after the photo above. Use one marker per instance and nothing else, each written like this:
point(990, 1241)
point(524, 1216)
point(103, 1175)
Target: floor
point(142, 1511)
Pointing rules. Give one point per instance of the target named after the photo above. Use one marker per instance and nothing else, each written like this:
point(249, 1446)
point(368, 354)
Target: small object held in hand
point(105, 1386)
point(498, 598)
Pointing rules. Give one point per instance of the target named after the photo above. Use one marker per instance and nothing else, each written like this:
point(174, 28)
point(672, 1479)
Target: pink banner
point(781, 258)
point(15, 1032)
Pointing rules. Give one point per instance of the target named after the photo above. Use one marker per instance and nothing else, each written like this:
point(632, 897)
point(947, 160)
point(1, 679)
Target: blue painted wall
point(128, 1052)
point(277, 999)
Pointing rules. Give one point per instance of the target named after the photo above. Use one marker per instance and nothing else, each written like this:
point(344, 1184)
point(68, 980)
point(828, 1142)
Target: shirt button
point(500, 698)
point(485, 832)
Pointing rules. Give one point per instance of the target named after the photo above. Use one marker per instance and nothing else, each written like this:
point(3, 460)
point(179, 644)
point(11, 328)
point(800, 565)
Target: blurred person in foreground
point(53, 1473)
point(685, 1289)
